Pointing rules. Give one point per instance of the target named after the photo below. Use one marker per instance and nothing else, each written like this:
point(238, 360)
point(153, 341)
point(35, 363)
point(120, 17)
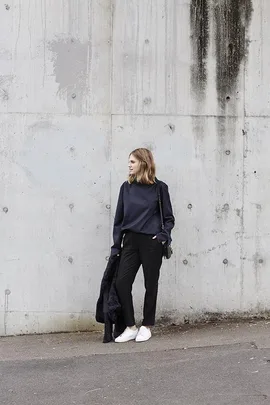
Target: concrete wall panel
point(204, 173)
point(256, 237)
point(56, 56)
point(257, 94)
point(151, 56)
point(55, 216)
point(179, 57)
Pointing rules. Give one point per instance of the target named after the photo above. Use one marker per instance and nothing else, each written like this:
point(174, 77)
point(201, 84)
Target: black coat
point(108, 309)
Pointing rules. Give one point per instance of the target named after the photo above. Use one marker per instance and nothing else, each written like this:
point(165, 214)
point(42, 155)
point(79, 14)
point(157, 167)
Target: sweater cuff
point(164, 237)
point(115, 251)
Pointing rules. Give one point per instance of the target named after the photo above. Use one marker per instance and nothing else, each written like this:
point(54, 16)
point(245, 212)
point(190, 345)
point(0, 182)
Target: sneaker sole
point(125, 341)
point(141, 341)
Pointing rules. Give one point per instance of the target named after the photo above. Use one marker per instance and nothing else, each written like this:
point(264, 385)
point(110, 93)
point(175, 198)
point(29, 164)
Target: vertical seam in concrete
point(135, 109)
point(111, 116)
point(5, 313)
point(29, 31)
point(89, 52)
point(19, 29)
point(262, 46)
point(243, 200)
point(243, 186)
point(44, 27)
point(166, 55)
point(174, 74)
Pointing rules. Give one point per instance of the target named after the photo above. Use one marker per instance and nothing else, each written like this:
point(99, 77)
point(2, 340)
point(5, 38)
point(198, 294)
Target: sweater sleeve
point(168, 217)
point(117, 226)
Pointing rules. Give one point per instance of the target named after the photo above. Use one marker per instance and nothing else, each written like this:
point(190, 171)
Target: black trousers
point(139, 249)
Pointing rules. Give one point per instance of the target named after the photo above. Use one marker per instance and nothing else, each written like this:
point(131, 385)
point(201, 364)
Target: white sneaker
point(127, 335)
point(144, 334)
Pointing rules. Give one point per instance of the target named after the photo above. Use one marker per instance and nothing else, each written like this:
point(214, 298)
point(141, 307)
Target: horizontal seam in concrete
point(189, 115)
point(29, 311)
point(256, 116)
point(48, 114)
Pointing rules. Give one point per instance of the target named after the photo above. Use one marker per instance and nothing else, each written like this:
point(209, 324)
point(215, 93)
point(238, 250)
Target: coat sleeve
point(117, 226)
point(168, 217)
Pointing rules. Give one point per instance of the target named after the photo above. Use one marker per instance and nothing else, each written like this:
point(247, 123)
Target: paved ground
point(212, 364)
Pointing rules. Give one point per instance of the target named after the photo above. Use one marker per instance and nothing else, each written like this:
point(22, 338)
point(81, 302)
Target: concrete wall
point(84, 82)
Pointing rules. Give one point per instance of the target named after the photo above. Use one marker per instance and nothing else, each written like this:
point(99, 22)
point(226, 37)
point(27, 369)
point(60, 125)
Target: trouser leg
point(128, 268)
point(151, 257)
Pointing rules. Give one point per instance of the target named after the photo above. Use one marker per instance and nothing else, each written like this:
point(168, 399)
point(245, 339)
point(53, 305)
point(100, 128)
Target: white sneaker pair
point(141, 335)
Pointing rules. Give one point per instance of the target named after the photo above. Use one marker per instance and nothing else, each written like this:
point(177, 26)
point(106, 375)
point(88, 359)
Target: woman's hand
point(155, 237)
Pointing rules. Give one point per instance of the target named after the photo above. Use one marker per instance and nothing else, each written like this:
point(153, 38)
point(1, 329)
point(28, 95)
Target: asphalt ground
point(226, 363)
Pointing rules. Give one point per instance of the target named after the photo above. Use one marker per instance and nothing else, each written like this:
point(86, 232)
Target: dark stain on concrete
point(70, 59)
point(238, 212)
point(199, 25)
point(232, 20)
point(5, 83)
point(222, 211)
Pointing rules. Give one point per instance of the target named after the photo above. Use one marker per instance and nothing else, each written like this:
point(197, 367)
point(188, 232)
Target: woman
point(138, 225)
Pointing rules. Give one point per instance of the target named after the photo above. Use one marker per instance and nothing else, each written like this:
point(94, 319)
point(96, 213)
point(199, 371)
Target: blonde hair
point(147, 170)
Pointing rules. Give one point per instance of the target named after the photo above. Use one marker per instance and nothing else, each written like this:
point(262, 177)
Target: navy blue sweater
point(138, 211)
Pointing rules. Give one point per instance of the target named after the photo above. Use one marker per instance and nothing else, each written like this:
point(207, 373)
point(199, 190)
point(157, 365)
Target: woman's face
point(133, 165)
